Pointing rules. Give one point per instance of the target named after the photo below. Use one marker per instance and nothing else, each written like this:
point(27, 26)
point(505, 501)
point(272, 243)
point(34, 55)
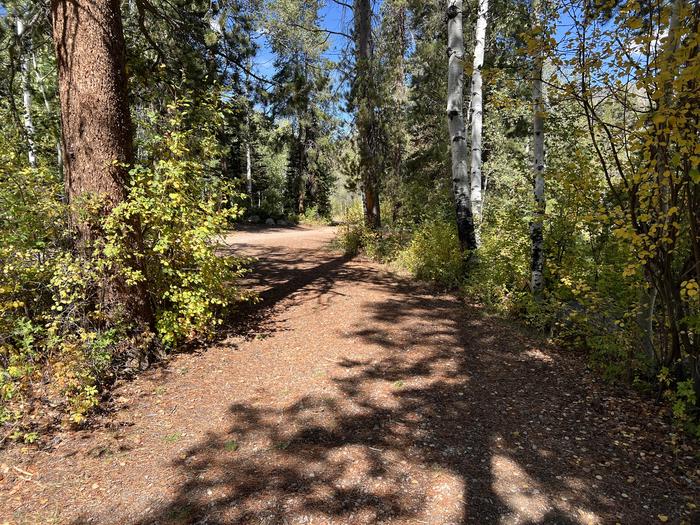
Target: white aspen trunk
point(455, 120)
point(248, 171)
point(536, 226)
point(248, 163)
point(26, 94)
point(476, 108)
point(645, 322)
point(47, 107)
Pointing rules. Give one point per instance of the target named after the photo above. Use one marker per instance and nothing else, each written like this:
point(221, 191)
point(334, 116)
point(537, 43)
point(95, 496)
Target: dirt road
point(353, 396)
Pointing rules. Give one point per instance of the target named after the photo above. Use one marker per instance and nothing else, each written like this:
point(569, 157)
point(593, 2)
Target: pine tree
point(363, 98)
point(97, 131)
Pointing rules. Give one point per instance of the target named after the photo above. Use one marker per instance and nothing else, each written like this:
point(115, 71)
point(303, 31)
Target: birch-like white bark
point(26, 92)
point(47, 107)
point(455, 120)
point(248, 163)
point(248, 171)
point(536, 227)
point(476, 106)
point(645, 321)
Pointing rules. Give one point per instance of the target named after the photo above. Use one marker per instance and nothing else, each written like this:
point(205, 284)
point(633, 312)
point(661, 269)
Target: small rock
point(270, 221)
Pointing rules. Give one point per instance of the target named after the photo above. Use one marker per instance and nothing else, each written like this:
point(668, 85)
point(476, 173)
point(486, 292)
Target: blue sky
point(333, 17)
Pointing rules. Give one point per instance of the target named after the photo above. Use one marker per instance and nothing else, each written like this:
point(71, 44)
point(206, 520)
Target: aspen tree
point(458, 132)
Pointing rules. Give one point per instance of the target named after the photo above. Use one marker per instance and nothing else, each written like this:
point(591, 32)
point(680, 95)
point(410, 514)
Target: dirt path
point(351, 396)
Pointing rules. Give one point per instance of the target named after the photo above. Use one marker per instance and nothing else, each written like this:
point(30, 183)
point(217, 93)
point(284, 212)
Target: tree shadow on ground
point(277, 275)
point(456, 418)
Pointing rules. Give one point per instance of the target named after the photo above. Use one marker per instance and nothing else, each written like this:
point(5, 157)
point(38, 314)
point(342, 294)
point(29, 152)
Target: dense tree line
point(576, 208)
point(541, 156)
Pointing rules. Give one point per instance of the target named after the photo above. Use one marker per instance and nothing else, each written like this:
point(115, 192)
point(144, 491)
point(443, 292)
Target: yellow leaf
point(663, 518)
point(659, 119)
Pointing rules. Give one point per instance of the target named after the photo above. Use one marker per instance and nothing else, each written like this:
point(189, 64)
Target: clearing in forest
point(352, 396)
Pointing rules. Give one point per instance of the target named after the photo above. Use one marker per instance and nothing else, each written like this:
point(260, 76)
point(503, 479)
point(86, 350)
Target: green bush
point(498, 277)
point(433, 254)
point(313, 217)
point(191, 284)
point(430, 253)
point(352, 232)
point(58, 342)
point(355, 237)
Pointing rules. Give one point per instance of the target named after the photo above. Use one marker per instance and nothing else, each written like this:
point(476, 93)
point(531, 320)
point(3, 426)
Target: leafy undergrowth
point(417, 408)
point(598, 316)
point(62, 343)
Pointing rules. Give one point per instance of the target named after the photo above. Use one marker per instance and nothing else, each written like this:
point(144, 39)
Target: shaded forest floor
point(352, 396)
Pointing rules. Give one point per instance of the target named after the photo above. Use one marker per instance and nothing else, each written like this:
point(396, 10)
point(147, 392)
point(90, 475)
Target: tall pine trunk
point(477, 110)
point(538, 166)
point(25, 52)
point(458, 132)
point(366, 120)
point(97, 131)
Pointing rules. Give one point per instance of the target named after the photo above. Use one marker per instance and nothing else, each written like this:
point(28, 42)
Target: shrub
point(190, 283)
point(355, 237)
point(57, 342)
point(313, 217)
point(433, 254)
point(353, 232)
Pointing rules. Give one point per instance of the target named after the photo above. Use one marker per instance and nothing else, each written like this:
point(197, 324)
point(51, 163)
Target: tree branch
point(320, 30)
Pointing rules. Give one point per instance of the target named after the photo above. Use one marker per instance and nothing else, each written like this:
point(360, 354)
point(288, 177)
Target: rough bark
point(366, 120)
point(401, 90)
point(96, 129)
point(536, 226)
point(458, 132)
point(476, 107)
point(25, 51)
point(296, 171)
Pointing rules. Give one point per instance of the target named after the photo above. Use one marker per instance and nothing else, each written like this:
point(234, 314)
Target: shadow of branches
point(452, 417)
